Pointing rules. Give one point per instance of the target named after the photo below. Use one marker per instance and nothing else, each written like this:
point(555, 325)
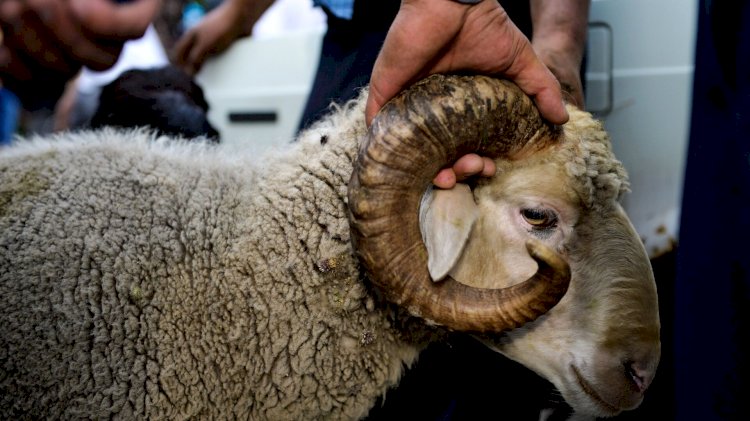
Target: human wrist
point(469, 2)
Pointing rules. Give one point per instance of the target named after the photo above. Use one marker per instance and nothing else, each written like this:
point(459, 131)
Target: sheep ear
point(445, 219)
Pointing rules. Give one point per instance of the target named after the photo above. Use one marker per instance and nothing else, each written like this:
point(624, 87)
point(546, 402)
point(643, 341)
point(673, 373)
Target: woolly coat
point(144, 277)
point(147, 278)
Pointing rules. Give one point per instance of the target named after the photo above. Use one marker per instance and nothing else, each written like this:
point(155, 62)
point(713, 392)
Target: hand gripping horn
point(425, 128)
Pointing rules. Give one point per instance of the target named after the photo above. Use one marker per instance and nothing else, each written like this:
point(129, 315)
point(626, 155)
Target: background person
point(46, 42)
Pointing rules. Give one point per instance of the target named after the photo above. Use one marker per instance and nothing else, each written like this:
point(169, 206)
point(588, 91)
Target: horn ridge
point(425, 128)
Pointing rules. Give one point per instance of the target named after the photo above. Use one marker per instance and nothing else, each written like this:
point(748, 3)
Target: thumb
point(375, 101)
point(537, 81)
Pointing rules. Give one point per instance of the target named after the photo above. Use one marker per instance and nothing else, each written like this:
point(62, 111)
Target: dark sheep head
point(165, 99)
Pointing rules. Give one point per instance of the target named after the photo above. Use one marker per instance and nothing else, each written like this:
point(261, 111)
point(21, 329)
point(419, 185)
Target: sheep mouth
point(589, 390)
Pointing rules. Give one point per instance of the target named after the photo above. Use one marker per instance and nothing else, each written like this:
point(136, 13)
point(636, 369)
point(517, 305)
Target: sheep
point(146, 278)
point(166, 99)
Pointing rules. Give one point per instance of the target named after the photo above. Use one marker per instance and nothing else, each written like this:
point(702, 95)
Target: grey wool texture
point(143, 277)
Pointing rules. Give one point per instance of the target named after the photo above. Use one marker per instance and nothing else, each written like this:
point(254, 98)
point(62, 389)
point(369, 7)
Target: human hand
point(231, 20)
point(440, 36)
point(45, 42)
point(434, 36)
point(567, 70)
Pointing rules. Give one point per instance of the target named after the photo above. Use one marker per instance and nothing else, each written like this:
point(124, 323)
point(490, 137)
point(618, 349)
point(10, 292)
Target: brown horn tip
point(425, 128)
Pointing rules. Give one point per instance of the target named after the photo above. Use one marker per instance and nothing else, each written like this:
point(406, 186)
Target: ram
point(142, 277)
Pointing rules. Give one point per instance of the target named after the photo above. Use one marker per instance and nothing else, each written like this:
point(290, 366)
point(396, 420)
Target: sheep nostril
point(640, 377)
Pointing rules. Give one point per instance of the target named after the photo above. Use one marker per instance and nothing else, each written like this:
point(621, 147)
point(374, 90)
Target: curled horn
point(416, 134)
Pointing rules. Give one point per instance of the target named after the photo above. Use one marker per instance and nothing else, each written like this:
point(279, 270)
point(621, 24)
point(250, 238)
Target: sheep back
point(148, 278)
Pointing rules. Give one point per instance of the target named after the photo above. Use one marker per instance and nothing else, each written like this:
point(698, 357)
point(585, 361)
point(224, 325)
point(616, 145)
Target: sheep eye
point(539, 218)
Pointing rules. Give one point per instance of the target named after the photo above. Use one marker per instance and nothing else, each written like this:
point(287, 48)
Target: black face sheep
point(165, 99)
point(154, 279)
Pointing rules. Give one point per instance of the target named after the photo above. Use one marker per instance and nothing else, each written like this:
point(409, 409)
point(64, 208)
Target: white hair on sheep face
point(146, 278)
point(600, 344)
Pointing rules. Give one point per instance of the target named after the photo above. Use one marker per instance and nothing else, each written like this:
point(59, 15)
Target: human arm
point(559, 39)
point(231, 20)
point(45, 42)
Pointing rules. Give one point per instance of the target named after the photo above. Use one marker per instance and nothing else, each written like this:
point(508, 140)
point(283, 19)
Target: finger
point(413, 44)
point(568, 75)
point(465, 167)
point(4, 56)
point(537, 81)
point(489, 169)
point(551, 106)
point(468, 165)
point(546, 92)
point(182, 49)
point(110, 20)
point(65, 45)
point(10, 10)
point(34, 40)
point(98, 57)
point(445, 179)
point(198, 54)
point(375, 101)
